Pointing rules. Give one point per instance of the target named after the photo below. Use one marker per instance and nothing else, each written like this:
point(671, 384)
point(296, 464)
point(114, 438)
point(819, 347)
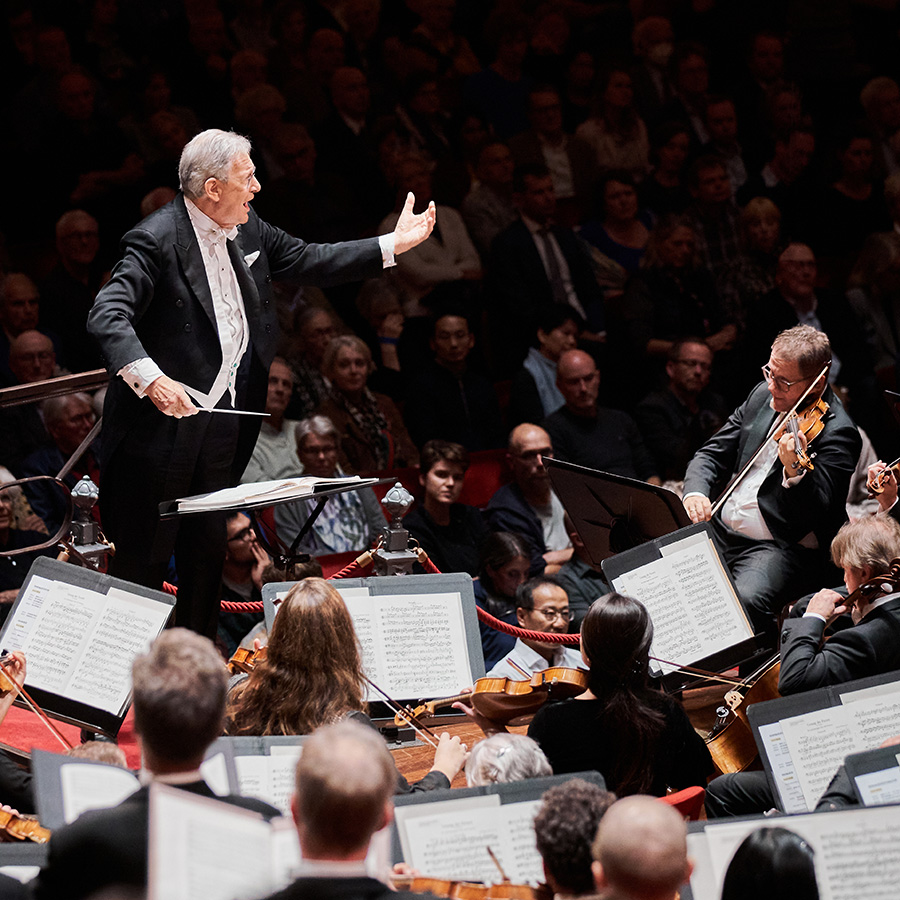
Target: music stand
point(613, 513)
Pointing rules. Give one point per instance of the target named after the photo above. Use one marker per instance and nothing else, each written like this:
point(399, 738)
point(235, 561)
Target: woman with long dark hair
point(774, 863)
point(639, 738)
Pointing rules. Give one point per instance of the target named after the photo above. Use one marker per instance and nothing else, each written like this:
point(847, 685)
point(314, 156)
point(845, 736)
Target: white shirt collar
point(206, 228)
point(177, 778)
point(332, 868)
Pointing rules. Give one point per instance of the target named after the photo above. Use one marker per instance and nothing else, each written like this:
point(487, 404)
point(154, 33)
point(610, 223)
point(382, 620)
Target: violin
point(888, 583)
point(245, 660)
point(810, 422)
point(876, 483)
point(470, 890)
point(503, 700)
point(14, 827)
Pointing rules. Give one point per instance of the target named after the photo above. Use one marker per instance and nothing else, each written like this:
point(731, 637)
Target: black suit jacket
point(158, 304)
point(356, 888)
point(869, 648)
point(106, 847)
point(817, 503)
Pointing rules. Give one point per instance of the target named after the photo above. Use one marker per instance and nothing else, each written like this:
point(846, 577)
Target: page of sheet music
point(783, 770)
point(205, 848)
point(857, 852)
point(694, 610)
point(87, 787)
point(878, 788)
point(79, 643)
point(818, 742)
point(215, 773)
point(450, 843)
point(875, 718)
point(269, 778)
point(413, 645)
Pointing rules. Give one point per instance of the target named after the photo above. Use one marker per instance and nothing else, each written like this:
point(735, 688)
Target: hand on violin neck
point(787, 453)
point(882, 480)
point(828, 604)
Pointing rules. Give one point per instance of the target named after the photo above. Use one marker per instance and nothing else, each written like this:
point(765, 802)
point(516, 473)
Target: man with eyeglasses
point(775, 528)
point(541, 605)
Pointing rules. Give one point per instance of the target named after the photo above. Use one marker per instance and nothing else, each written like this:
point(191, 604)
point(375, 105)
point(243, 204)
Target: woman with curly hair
point(312, 675)
point(639, 738)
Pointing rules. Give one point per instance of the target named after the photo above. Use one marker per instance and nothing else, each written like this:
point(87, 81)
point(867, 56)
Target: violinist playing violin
point(864, 549)
point(541, 605)
point(774, 529)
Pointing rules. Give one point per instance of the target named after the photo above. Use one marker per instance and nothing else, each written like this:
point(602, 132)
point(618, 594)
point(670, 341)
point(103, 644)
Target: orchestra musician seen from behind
point(774, 529)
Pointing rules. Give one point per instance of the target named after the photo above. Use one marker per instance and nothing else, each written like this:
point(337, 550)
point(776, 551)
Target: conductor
point(187, 324)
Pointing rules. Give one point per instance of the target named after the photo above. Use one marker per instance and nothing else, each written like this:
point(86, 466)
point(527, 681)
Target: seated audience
point(179, 704)
point(242, 580)
point(581, 580)
point(722, 126)
point(772, 862)
point(448, 399)
point(312, 676)
point(640, 852)
point(534, 394)
point(880, 98)
point(503, 568)
point(348, 521)
point(653, 42)
point(637, 737)
point(372, 433)
point(275, 453)
point(619, 231)
point(488, 207)
point(313, 330)
point(449, 532)
point(541, 605)
point(344, 784)
point(68, 420)
point(590, 435)
point(536, 265)
point(503, 758)
point(664, 191)
point(713, 213)
point(528, 505)
point(678, 420)
point(19, 309)
point(565, 827)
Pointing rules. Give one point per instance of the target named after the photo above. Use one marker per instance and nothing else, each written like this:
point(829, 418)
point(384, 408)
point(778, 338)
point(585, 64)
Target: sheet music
point(80, 643)
point(269, 778)
point(87, 787)
point(783, 771)
point(694, 609)
point(279, 489)
point(878, 788)
point(413, 645)
point(448, 839)
point(215, 774)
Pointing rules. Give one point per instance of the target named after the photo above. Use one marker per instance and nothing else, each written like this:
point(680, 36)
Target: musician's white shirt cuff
point(812, 615)
point(140, 374)
point(794, 479)
point(387, 243)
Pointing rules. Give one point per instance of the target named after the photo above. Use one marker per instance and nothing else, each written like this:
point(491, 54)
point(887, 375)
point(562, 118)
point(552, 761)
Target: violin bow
point(496, 862)
point(769, 434)
point(17, 691)
point(420, 729)
point(703, 673)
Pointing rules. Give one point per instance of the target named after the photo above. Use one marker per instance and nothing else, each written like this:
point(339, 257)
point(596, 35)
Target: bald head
point(31, 357)
point(578, 381)
point(528, 445)
point(641, 850)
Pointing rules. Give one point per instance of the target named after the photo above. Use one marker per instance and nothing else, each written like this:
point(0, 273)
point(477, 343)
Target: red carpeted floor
point(22, 729)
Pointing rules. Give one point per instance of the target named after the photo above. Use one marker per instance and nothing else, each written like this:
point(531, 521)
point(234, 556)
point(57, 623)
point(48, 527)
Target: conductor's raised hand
point(412, 228)
point(169, 397)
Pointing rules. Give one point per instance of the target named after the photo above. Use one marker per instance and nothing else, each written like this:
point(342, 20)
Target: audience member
point(678, 420)
point(568, 159)
point(449, 532)
point(640, 852)
point(880, 98)
point(533, 393)
point(772, 861)
point(722, 125)
point(528, 505)
point(372, 432)
point(502, 567)
point(565, 827)
point(19, 311)
point(14, 569)
point(488, 207)
point(664, 191)
point(179, 702)
point(503, 758)
point(581, 579)
point(585, 433)
point(713, 212)
point(690, 75)
point(275, 453)
point(619, 230)
point(541, 605)
point(535, 266)
point(653, 41)
point(448, 400)
point(348, 521)
point(765, 69)
point(313, 330)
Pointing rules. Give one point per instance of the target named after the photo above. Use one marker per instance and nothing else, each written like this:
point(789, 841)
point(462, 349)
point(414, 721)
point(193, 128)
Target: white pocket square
point(251, 258)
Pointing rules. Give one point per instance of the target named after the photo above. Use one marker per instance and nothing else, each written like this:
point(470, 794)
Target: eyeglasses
point(245, 534)
point(551, 614)
point(781, 383)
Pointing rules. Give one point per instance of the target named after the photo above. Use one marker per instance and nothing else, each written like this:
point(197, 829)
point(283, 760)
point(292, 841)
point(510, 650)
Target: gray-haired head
point(209, 155)
point(320, 426)
point(505, 757)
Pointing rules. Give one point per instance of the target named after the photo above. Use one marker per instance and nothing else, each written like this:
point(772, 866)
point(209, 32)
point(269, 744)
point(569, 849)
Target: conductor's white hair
point(209, 155)
point(506, 757)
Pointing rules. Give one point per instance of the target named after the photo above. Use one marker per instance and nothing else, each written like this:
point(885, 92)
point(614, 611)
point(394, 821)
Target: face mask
point(660, 54)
